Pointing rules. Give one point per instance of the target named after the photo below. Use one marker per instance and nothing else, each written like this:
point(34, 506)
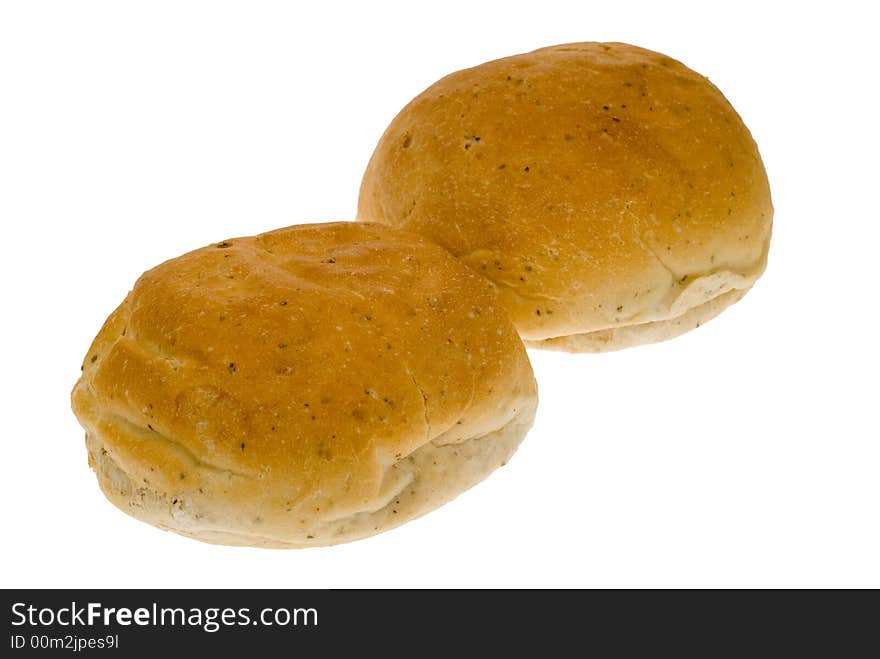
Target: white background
point(742, 454)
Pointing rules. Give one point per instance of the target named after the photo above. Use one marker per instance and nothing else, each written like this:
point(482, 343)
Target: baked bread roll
point(308, 386)
point(612, 194)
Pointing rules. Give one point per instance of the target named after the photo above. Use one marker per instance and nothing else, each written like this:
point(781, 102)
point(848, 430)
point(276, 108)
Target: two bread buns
point(323, 383)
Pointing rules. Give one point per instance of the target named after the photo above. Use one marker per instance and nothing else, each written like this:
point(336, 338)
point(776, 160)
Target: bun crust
point(607, 190)
point(308, 386)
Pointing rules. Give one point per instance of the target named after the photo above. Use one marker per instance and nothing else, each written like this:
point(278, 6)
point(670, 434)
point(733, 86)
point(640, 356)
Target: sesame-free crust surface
point(599, 186)
point(307, 386)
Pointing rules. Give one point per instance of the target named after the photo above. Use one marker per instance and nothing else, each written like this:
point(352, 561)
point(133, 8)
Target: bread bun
point(612, 194)
point(308, 386)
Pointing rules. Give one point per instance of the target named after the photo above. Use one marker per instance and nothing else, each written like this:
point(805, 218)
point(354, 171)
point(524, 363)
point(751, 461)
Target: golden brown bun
point(612, 194)
point(308, 386)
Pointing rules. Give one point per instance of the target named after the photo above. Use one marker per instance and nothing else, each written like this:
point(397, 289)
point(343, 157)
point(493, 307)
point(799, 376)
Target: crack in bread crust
point(628, 336)
point(438, 474)
point(152, 435)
